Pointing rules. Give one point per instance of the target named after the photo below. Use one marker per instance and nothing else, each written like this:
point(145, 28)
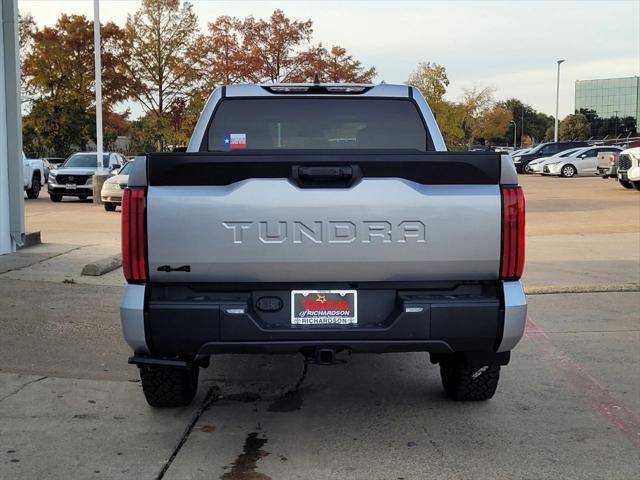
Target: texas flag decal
point(233, 141)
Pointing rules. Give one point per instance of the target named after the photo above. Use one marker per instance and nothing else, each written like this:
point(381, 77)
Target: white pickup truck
point(33, 176)
point(321, 219)
point(629, 168)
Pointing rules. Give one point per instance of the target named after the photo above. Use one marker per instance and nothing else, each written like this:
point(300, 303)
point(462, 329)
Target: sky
point(509, 46)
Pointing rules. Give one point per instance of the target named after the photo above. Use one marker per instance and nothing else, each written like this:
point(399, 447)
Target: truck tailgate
point(423, 217)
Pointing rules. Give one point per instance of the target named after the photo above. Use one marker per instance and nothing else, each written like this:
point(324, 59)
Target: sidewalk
point(59, 263)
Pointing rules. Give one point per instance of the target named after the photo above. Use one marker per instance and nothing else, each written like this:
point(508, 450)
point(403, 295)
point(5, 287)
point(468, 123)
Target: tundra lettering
point(380, 231)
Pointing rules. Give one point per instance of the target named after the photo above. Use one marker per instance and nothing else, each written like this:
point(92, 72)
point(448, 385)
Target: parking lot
point(568, 405)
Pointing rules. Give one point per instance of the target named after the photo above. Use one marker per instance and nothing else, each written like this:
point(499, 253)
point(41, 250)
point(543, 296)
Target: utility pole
point(101, 174)
point(515, 128)
point(522, 127)
point(616, 124)
point(555, 131)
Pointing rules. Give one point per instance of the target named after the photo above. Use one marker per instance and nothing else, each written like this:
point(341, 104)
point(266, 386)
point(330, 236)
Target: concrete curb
point(31, 239)
point(102, 266)
point(612, 287)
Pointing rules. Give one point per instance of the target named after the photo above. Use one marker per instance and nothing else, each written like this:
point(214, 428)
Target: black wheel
point(167, 387)
point(110, 207)
point(55, 198)
point(83, 197)
point(526, 169)
point(636, 185)
point(568, 171)
point(625, 183)
point(464, 383)
point(34, 191)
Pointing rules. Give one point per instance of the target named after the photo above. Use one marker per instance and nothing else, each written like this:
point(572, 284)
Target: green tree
point(549, 134)
point(432, 81)
point(57, 126)
point(159, 35)
point(535, 123)
point(493, 124)
point(58, 71)
point(574, 127)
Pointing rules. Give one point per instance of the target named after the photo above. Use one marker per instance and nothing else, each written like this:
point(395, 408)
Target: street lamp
point(101, 174)
point(98, 82)
point(515, 128)
point(555, 131)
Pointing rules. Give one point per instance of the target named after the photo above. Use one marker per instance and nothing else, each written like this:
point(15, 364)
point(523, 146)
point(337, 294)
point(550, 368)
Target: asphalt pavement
point(568, 404)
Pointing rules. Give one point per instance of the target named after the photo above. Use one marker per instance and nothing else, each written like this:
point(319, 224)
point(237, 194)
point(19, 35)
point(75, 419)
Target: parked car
point(297, 222)
point(521, 161)
point(32, 176)
point(629, 168)
point(47, 168)
point(113, 187)
point(55, 162)
point(520, 152)
point(74, 178)
point(504, 150)
point(608, 164)
point(584, 162)
point(535, 166)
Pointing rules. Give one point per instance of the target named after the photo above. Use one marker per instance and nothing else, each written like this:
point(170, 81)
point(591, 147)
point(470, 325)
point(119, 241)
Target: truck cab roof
point(355, 89)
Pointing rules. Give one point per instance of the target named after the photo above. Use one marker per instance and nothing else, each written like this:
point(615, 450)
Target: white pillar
point(11, 174)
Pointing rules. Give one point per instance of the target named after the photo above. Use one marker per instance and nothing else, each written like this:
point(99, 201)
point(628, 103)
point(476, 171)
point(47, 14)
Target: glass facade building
point(612, 105)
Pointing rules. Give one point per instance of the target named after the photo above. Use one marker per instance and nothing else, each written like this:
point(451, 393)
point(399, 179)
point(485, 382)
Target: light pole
point(515, 128)
point(522, 127)
point(616, 124)
point(555, 131)
point(99, 177)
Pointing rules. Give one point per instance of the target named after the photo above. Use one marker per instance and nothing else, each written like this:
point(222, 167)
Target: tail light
point(513, 227)
point(612, 159)
point(134, 245)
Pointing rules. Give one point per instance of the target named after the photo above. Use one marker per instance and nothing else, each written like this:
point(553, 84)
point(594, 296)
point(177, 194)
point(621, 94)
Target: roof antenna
point(316, 79)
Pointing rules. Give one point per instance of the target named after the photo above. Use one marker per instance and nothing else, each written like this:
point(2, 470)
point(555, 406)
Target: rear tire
point(55, 198)
point(110, 207)
point(469, 384)
point(636, 185)
point(625, 183)
point(34, 191)
point(169, 387)
point(568, 171)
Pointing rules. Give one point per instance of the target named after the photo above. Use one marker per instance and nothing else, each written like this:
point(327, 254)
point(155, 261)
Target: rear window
point(316, 124)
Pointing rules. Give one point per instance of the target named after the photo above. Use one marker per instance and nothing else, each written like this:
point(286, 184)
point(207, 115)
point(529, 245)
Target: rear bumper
point(608, 172)
point(166, 321)
point(116, 200)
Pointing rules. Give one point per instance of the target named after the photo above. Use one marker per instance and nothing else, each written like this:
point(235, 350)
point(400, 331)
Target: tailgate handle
point(326, 176)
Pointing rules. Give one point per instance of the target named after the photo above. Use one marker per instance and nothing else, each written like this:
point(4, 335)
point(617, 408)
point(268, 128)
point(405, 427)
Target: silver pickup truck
point(321, 219)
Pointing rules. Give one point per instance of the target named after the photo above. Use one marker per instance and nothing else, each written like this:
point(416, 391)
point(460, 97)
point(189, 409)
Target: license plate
point(324, 307)
point(71, 186)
